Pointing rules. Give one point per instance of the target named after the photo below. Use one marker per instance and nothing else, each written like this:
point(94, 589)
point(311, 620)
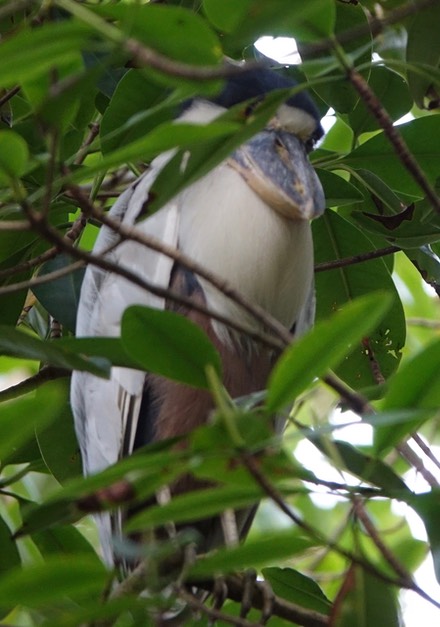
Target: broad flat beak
point(274, 163)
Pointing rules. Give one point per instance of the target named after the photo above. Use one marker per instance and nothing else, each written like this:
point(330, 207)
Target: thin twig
point(396, 140)
point(214, 614)
point(424, 322)
point(425, 448)
point(41, 280)
point(350, 261)
point(9, 94)
point(83, 150)
point(414, 460)
point(361, 513)
point(47, 373)
point(15, 225)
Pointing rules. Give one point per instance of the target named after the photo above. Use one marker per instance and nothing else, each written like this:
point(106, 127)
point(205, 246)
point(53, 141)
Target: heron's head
point(274, 162)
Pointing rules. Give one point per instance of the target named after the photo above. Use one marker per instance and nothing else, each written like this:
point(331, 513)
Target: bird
point(249, 222)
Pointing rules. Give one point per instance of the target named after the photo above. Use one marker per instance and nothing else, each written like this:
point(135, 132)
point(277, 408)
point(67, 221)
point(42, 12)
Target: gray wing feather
point(104, 409)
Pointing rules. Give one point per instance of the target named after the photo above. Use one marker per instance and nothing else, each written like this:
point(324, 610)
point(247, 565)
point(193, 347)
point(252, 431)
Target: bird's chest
point(226, 227)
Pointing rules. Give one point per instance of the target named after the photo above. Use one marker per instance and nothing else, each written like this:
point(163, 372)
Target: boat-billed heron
point(247, 221)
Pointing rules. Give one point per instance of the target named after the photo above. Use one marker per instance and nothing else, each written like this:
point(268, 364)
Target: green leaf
point(323, 348)
point(20, 417)
point(415, 226)
point(296, 588)
point(13, 156)
point(60, 297)
point(197, 505)
point(173, 31)
point(10, 555)
point(337, 92)
point(78, 577)
point(291, 18)
point(393, 94)
point(18, 344)
point(129, 114)
point(347, 457)
point(226, 15)
point(63, 459)
point(63, 541)
point(366, 601)
point(10, 558)
point(415, 385)
point(423, 47)
point(162, 138)
point(52, 45)
point(338, 192)
point(109, 348)
point(428, 508)
point(335, 238)
point(168, 344)
point(378, 156)
point(252, 554)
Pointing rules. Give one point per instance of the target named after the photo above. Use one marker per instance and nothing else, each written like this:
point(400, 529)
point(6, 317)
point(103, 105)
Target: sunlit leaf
point(323, 348)
point(297, 588)
point(18, 344)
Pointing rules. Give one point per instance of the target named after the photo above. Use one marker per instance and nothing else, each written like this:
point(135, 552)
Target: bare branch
point(399, 145)
point(47, 373)
point(15, 225)
point(350, 261)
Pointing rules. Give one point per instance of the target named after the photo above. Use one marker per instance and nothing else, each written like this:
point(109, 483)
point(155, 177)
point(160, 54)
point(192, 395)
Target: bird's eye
point(310, 144)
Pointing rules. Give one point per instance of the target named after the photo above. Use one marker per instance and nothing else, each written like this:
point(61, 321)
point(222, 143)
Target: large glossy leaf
point(423, 47)
point(162, 138)
point(413, 227)
point(10, 558)
point(18, 344)
point(20, 417)
point(347, 457)
point(13, 156)
point(393, 94)
point(253, 19)
point(378, 156)
point(295, 587)
point(60, 297)
point(63, 541)
point(335, 238)
point(128, 117)
point(52, 45)
point(323, 348)
point(415, 385)
point(10, 555)
point(338, 192)
point(57, 442)
point(337, 92)
point(193, 506)
point(78, 577)
point(365, 601)
point(254, 553)
point(166, 343)
point(226, 15)
point(427, 507)
point(172, 31)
